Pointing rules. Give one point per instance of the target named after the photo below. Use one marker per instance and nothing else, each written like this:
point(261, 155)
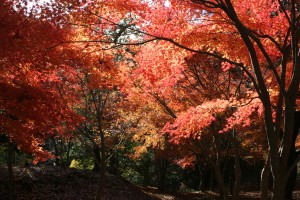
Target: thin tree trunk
point(201, 174)
point(117, 172)
point(225, 167)
point(97, 158)
point(217, 167)
point(100, 190)
point(56, 152)
point(211, 180)
point(114, 162)
point(10, 171)
point(13, 155)
point(161, 173)
point(69, 146)
point(99, 104)
point(237, 169)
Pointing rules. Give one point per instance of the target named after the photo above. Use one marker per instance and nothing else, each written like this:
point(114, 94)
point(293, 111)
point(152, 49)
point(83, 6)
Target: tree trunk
point(161, 173)
point(265, 174)
point(291, 184)
point(114, 162)
point(211, 180)
point(279, 187)
point(201, 169)
point(97, 158)
point(280, 169)
point(10, 171)
point(144, 170)
point(237, 169)
point(69, 146)
point(217, 169)
point(292, 158)
point(221, 184)
point(56, 152)
point(100, 190)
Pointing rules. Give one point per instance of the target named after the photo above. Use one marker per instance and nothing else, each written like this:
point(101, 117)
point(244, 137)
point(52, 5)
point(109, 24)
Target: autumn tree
point(265, 36)
point(187, 95)
point(36, 96)
point(257, 40)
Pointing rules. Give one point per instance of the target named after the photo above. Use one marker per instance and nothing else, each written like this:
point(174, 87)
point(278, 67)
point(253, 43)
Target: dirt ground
point(45, 183)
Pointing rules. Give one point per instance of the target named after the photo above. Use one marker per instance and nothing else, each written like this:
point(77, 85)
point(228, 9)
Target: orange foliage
point(37, 89)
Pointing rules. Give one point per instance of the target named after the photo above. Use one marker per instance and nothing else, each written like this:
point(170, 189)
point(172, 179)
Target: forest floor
point(45, 183)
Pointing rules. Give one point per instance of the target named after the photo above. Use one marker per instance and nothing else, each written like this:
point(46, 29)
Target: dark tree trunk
point(97, 158)
point(56, 152)
point(217, 168)
point(161, 168)
point(201, 169)
point(290, 184)
point(292, 158)
point(279, 187)
point(69, 146)
point(10, 170)
point(13, 155)
point(114, 162)
point(100, 190)
point(211, 180)
point(264, 183)
point(222, 187)
point(237, 169)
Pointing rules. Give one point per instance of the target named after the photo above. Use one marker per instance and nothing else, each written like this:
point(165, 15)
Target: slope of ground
point(55, 183)
point(45, 183)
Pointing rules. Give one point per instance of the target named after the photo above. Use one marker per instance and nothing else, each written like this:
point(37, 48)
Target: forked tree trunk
point(283, 166)
point(264, 181)
point(10, 150)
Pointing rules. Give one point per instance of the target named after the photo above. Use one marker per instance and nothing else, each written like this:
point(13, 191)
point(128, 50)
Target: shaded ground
point(209, 195)
point(51, 183)
point(45, 183)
